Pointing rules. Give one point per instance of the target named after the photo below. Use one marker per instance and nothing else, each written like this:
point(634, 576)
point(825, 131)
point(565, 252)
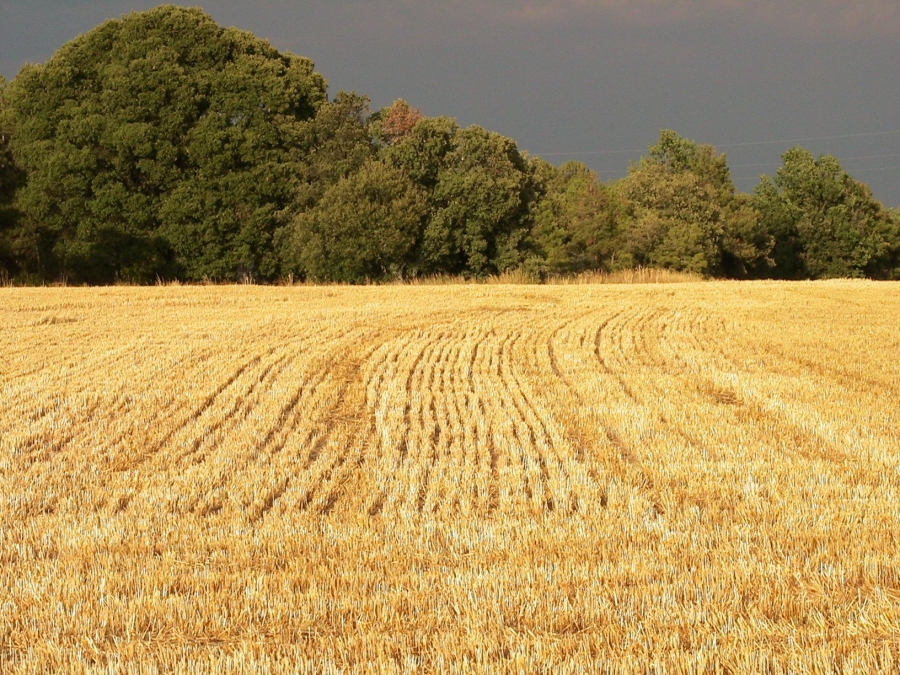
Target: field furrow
point(680, 478)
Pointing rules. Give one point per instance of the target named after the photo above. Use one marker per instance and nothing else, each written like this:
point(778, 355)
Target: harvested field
point(686, 478)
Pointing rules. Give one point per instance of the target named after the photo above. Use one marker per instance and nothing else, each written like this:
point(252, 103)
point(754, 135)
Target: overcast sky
point(593, 80)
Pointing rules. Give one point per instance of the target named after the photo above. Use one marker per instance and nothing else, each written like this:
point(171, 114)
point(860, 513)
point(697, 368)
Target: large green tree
point(575, 226)
point(681, 211)
point(334, 144)
point(422, 152)
point(365, 228)
point(826, 223)
point(160, 143)
point(480, 191)
point(11, 178)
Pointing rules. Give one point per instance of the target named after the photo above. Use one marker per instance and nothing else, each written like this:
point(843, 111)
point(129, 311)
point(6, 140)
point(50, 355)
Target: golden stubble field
point(682, 478)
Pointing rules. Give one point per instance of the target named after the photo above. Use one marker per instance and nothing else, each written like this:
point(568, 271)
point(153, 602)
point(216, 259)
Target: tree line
point(164, 146)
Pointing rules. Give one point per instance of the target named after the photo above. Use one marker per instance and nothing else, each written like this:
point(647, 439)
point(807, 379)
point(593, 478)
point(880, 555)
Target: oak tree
point(161, 144)
point(826, 223)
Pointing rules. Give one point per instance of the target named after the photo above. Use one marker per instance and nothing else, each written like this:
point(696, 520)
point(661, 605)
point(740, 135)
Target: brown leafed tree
point(399, 119)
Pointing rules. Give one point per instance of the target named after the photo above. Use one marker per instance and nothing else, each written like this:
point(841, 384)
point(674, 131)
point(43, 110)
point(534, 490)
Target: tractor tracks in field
point(489, 408)
point(458, 427)
point(266, 424)
point(189, 421)
point(608, 365)
point(315, 445)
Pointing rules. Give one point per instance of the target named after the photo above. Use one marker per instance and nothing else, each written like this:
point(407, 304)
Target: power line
point(589, 152)
point(873, 168)
point(810, 138)
point(747, 166)
point(842, 159)
point(848, 171)
point(725, 145)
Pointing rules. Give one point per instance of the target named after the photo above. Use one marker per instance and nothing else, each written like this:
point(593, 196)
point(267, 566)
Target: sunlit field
point(680, 478)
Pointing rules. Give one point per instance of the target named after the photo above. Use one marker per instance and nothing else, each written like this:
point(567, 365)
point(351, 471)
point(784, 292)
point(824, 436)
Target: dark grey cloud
point(818, 18)
point(585, 76)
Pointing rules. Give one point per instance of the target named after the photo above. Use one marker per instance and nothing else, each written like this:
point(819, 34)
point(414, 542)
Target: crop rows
point(693, 478)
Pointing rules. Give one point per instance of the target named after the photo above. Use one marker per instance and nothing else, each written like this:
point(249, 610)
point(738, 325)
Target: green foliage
point(422, 152)
point(364, 228)
point(11, 179)
point(825, 223)
point(160, 143)
point(334, 144)
point(440, 200)
point(746, 245)
point(673, 221)
point(479, 189)
point(575, 224)
point(779, 219)
point(681, 212)
point(479, 223)
point(892, 260)
point(163, 145)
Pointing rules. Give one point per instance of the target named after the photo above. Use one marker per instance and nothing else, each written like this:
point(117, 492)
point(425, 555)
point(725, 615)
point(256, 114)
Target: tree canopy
point(162, 145)
point(576, 224)
point(365, 227)
point(682, 212)
point(825, 223)
point(11, 178)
